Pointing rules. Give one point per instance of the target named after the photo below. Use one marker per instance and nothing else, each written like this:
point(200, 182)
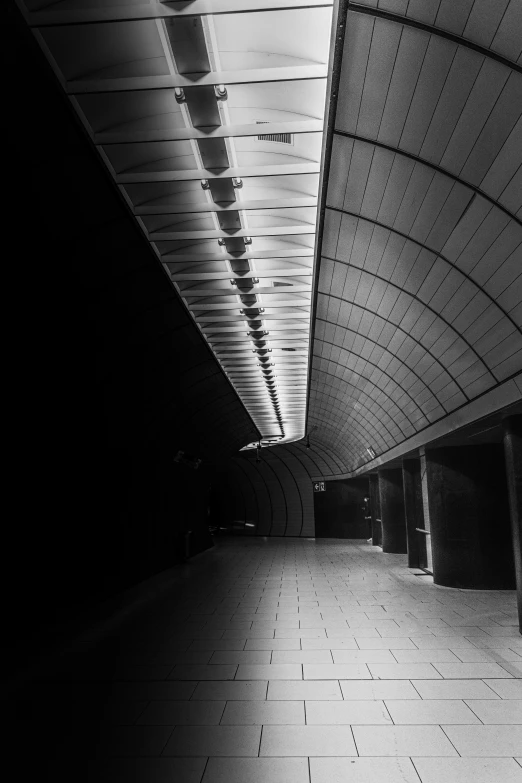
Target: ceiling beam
point(236, 307)
point(286, 73)
point(191, 293)
point(298, 254)
point(265, 274)
point(212, 132)
point(305, 316)
point(162, 10)
point(274, 231)
point(280, 170)
point(191, 209)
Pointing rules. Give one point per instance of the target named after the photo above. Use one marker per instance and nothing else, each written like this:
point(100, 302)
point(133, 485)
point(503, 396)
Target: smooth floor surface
point(304, 661)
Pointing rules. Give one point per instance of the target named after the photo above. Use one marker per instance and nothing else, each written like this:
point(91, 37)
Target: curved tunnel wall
point(418, 297)
point(274, 495)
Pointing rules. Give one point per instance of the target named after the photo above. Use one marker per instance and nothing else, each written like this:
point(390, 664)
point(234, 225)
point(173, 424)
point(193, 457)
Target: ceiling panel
point(209, 116)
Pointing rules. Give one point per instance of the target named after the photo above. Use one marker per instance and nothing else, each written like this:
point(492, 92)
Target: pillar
point(469, 517)
point(413, 511)
point(392, 511)
point(513, 457)
point(375, 509)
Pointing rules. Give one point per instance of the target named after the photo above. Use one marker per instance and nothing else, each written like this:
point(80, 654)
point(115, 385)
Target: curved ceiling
point(418, 297)
point(209, 116)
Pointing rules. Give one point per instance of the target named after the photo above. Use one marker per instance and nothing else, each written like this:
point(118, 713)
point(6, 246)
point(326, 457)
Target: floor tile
point(214, 741)
point(255, 713)
point(468, 770)
point(363, 656)
point(454, 689)
point(276, 671)
point(486, 740)
point(240, 656)
point(378, 689)
point(217, 644)
point(147, 770)
point(441, 642)
point(182, 713)
point(307, 741)
point(385, 644)
point(255, 770)
point(427, 656)
point(404, 671)
point(498, 655)
point(149, 691)
point(461, 671)
point(301, 656)
point(230, 691)
point(362, 770)
point(134, 741)
point(347, 643)
point(203, 672)
point(272, 644)
point(336, 671)
point(346, 712)
point(403, 741)
point(304, 690)
point(300, 633)
point(432, 711)
point(502, 711)
point(506, 689)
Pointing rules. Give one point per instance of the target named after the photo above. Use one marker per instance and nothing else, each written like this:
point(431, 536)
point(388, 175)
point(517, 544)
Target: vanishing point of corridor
point(298, 661)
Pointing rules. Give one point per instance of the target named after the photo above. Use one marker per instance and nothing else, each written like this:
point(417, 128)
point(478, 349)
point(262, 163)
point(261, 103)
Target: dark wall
point(107, 374)
point(469, 517)
point(391, 501)
point(339, 511)
point(273, 495)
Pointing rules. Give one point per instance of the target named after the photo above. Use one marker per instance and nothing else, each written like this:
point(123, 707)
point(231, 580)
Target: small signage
point(319, 486)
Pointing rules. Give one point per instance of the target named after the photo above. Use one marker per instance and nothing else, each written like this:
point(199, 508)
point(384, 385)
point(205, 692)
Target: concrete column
point(375, 507)
point(513, 456)
point(469, 518)
point(413, 511)
point(392, 511)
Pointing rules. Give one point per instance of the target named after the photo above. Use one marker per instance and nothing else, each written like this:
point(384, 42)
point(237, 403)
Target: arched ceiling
point(209, 116)
point(418, 297)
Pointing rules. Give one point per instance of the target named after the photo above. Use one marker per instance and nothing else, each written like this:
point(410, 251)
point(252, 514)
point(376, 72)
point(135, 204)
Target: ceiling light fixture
point(179, 94)
point(221, 92)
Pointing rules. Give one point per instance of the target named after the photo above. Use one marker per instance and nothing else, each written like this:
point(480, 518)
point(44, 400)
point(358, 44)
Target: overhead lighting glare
point(179, 94)
point(371, 452)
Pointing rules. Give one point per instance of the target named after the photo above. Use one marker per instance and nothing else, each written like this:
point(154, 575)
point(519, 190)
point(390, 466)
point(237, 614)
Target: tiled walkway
point(302, 661)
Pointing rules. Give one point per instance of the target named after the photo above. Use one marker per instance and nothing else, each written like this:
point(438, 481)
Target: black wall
point(107, 375)
point(339, 511)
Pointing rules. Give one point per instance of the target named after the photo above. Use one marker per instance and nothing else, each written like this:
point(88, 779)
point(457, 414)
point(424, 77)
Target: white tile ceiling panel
point(420, 280)
point(222, 178)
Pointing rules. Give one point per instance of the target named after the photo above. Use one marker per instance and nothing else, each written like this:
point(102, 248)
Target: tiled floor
point(302, 661)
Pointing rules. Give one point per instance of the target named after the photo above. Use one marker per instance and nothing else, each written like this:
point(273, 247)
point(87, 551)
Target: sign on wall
point(319, 486)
